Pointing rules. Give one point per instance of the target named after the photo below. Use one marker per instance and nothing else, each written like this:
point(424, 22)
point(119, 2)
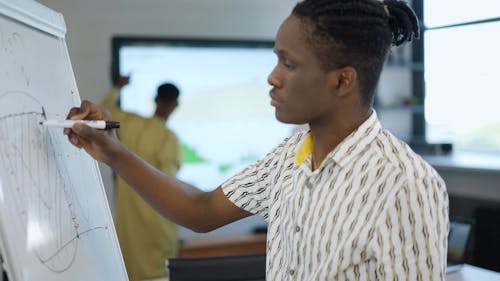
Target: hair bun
point(402, 21)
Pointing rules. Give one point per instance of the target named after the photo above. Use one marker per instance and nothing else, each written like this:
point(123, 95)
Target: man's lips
point(274, 98)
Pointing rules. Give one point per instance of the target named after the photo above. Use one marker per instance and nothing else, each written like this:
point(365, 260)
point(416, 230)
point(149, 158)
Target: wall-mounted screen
point(224, 119)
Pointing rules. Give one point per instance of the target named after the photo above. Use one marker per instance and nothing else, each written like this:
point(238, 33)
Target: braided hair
point(357, 33)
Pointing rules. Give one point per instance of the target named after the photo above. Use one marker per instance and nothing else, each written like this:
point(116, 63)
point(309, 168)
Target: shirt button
point(297, 228)
point(291, 271)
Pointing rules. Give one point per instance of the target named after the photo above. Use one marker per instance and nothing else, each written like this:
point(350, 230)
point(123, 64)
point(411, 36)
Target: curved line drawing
point(39, 183)
point(13, 47)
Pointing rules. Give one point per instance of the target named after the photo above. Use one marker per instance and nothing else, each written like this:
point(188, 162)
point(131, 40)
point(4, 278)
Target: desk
point(472, 273)
point(237, 245)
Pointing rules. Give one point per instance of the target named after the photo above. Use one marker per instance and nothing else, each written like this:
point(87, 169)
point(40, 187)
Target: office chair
point(487, 234)
point(228, 268)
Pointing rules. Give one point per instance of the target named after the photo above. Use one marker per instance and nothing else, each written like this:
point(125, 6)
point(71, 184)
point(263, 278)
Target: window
point(451, 12)
point(462, 61)
point(224, 120)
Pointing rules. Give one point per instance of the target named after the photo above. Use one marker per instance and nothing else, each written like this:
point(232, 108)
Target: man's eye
point(287, 64)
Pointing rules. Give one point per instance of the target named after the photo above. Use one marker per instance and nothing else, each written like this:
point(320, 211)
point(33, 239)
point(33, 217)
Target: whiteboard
point(55, 223)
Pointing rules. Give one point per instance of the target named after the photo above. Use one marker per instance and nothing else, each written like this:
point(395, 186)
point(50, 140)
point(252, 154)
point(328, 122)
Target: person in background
point(146, 238)
point(345, 200)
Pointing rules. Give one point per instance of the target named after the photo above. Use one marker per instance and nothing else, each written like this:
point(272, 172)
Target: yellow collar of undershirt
point(305, 150)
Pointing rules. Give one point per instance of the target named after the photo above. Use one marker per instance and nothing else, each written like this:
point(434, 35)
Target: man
point(146, 238)
point(344, 201)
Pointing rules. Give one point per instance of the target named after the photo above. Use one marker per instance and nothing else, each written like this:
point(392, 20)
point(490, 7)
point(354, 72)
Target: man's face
point(301, 90)
point(165, 108)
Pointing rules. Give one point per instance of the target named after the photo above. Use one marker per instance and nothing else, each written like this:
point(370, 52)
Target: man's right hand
point(102, 145)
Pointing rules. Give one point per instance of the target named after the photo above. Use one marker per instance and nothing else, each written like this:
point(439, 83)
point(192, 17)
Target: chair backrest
point(458, 240)
point(229, 268)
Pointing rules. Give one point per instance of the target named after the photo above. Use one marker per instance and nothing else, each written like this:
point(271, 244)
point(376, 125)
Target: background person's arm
point(110, 101)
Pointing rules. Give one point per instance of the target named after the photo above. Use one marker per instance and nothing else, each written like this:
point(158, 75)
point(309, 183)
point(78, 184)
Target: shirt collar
point(305, 150)
point(352, 145)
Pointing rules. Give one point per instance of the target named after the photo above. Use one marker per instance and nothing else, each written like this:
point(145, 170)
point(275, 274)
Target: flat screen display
point(224, 119)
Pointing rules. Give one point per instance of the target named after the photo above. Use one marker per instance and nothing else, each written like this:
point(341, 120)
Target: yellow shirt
point(146, 238)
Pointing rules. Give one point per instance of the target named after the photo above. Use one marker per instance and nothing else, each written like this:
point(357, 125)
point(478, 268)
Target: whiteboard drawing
point(37, 179)
point(55, 223)
point(13, 47)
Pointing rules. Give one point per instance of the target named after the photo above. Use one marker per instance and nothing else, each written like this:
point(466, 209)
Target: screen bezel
point(118, 42)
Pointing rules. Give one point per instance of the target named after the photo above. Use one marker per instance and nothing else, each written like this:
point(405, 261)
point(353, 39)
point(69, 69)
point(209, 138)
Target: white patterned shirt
point(373, 210)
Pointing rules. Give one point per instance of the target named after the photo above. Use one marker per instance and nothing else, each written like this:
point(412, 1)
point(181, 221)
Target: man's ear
point(345, 79)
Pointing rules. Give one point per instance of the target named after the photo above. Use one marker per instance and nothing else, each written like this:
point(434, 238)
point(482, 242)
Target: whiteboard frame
point(36, 15)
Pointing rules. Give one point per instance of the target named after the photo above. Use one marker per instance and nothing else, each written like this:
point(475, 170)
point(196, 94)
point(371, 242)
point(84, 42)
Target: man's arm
point(110, 101)
point(415, 231)
point(176, 200)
